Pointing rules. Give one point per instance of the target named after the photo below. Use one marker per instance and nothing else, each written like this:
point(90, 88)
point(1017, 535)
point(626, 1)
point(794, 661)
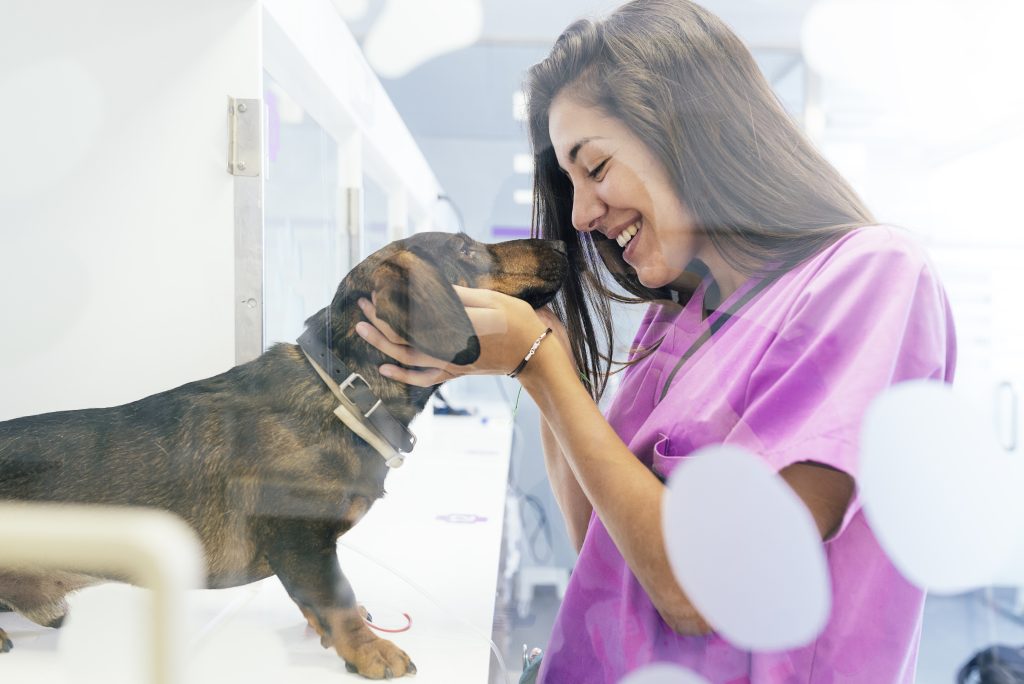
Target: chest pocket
point(666, 457)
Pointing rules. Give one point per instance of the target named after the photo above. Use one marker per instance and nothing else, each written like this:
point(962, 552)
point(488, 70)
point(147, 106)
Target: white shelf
point(439, 527)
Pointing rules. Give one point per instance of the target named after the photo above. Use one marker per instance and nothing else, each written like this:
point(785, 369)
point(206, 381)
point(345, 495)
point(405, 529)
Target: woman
point(778, 312)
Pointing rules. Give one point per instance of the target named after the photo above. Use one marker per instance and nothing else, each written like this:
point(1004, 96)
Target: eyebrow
point(580, 143)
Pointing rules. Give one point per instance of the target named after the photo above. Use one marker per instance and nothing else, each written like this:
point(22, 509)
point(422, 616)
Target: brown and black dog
point(254, 458)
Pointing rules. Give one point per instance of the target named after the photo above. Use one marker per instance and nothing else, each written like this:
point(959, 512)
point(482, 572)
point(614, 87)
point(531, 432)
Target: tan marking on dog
point(39, 594)
point(357, 508)
point(363, 651)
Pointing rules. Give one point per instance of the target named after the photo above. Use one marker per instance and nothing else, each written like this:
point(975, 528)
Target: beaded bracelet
point(529, 355)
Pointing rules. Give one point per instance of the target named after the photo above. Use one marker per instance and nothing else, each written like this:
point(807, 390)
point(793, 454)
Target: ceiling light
point(519, 105)
point(522, 163)
point(523, 197)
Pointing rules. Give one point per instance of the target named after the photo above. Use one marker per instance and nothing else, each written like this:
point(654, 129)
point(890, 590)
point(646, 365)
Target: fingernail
point(362, 302)
point(363, 329)
point(386, 371)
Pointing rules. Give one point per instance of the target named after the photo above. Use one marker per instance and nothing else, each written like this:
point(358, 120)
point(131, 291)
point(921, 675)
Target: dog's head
point(411, 284)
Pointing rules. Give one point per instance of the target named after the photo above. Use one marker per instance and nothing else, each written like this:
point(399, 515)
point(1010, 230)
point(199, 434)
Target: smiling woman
point(622, 191)
point(703, 126)
point(663, 159)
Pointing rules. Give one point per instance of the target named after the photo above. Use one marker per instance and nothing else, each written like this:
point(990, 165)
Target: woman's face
point(621, 190)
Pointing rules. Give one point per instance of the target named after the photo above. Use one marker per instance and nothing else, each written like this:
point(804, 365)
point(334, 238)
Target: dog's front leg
point(303, 554)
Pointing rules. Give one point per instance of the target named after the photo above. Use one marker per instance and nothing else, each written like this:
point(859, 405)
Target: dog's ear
point(418, 302)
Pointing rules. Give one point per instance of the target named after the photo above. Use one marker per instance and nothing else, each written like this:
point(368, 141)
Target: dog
point(255, 459)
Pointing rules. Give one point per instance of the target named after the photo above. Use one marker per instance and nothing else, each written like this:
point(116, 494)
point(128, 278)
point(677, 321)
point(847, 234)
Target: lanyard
point(714, 327)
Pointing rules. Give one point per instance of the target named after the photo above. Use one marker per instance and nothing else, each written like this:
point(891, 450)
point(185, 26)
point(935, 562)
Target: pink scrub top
point(789, 378)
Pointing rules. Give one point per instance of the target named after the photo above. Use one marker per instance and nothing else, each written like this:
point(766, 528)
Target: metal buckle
point(349, 382)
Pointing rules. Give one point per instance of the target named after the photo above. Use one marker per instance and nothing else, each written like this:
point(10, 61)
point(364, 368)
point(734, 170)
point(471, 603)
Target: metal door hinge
point(244, 131)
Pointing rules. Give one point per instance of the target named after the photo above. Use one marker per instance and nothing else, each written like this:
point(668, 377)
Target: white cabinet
point(131, 259)
point(984, 285)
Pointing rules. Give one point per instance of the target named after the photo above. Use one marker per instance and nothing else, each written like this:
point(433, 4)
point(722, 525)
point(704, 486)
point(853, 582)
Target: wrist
point(550, 364)
point(529, 354)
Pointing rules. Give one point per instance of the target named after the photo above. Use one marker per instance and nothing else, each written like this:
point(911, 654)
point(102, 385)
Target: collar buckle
point(361, 393)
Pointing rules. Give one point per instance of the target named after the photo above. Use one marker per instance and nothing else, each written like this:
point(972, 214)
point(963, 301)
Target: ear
point(418, 302)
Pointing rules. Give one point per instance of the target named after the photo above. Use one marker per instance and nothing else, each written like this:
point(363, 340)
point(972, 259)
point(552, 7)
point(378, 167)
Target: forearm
point(574, 504)
point(623, 492)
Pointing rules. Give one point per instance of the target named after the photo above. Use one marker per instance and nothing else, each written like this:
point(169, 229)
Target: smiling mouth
point(625, 236)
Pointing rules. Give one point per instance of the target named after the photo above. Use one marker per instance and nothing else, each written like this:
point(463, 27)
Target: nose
point(587, 210)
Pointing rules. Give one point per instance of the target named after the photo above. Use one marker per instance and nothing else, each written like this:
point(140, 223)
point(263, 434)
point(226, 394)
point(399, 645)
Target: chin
point(654, 281)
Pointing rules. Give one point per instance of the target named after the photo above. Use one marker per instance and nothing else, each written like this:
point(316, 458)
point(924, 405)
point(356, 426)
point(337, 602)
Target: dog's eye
point(466, 251)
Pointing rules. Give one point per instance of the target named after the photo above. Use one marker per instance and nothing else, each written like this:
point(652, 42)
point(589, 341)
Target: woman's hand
point(506, 327)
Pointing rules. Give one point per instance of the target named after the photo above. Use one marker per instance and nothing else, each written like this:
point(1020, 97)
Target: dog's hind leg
point(304, 557)
point(39, 596)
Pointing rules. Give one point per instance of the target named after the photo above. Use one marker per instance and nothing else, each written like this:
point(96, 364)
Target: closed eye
point(597, 169)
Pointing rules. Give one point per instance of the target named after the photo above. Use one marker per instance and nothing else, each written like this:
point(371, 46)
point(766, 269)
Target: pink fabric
point(788, 378)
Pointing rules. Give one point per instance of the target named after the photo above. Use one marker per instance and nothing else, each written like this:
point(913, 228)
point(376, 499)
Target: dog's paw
point(380, 659)
point(5, 643)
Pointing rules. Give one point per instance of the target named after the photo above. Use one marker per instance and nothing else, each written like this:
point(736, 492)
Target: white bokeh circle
point(662, 673)
point(941, 496)
point(408, 33)
point(746, 550)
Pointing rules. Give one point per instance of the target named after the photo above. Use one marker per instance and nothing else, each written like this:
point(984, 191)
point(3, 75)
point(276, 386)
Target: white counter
point(429, 548)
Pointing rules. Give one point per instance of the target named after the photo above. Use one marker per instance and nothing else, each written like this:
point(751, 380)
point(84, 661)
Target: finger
point(419, 378)
point(402, 353)
point(370, 311)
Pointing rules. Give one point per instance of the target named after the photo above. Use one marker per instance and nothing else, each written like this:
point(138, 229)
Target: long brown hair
point(681, 81)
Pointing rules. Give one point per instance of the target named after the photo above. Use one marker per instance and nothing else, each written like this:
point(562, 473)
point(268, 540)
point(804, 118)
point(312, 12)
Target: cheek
point(606, 195)
point(684, 248)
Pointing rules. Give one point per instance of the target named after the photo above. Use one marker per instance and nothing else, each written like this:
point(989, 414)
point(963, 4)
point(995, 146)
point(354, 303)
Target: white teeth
point(625, 236)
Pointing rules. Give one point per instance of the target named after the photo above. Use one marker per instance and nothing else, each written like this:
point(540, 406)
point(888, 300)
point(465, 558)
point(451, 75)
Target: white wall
point(116, 209)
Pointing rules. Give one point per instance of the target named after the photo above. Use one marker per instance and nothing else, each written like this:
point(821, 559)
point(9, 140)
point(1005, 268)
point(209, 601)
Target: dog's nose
point(559, 246)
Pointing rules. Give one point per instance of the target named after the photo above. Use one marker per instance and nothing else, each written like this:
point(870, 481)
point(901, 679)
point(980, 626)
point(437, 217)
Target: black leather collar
point(356, 390)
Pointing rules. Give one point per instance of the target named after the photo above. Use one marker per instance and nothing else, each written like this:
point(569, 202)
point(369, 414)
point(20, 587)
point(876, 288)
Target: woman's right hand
point(506, 327)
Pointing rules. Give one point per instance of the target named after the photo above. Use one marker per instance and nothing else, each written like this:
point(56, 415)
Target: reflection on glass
point(375, 217)
point(306, 249)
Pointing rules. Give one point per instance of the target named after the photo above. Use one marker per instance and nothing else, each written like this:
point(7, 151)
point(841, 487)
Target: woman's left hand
point(506, 327)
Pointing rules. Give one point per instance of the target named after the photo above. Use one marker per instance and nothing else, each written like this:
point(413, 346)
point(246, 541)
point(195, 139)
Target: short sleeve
point(870, 315)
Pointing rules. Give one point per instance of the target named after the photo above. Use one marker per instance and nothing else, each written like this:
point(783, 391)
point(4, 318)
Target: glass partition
point(122, 217)
point(376, 230)
point(306, 245)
